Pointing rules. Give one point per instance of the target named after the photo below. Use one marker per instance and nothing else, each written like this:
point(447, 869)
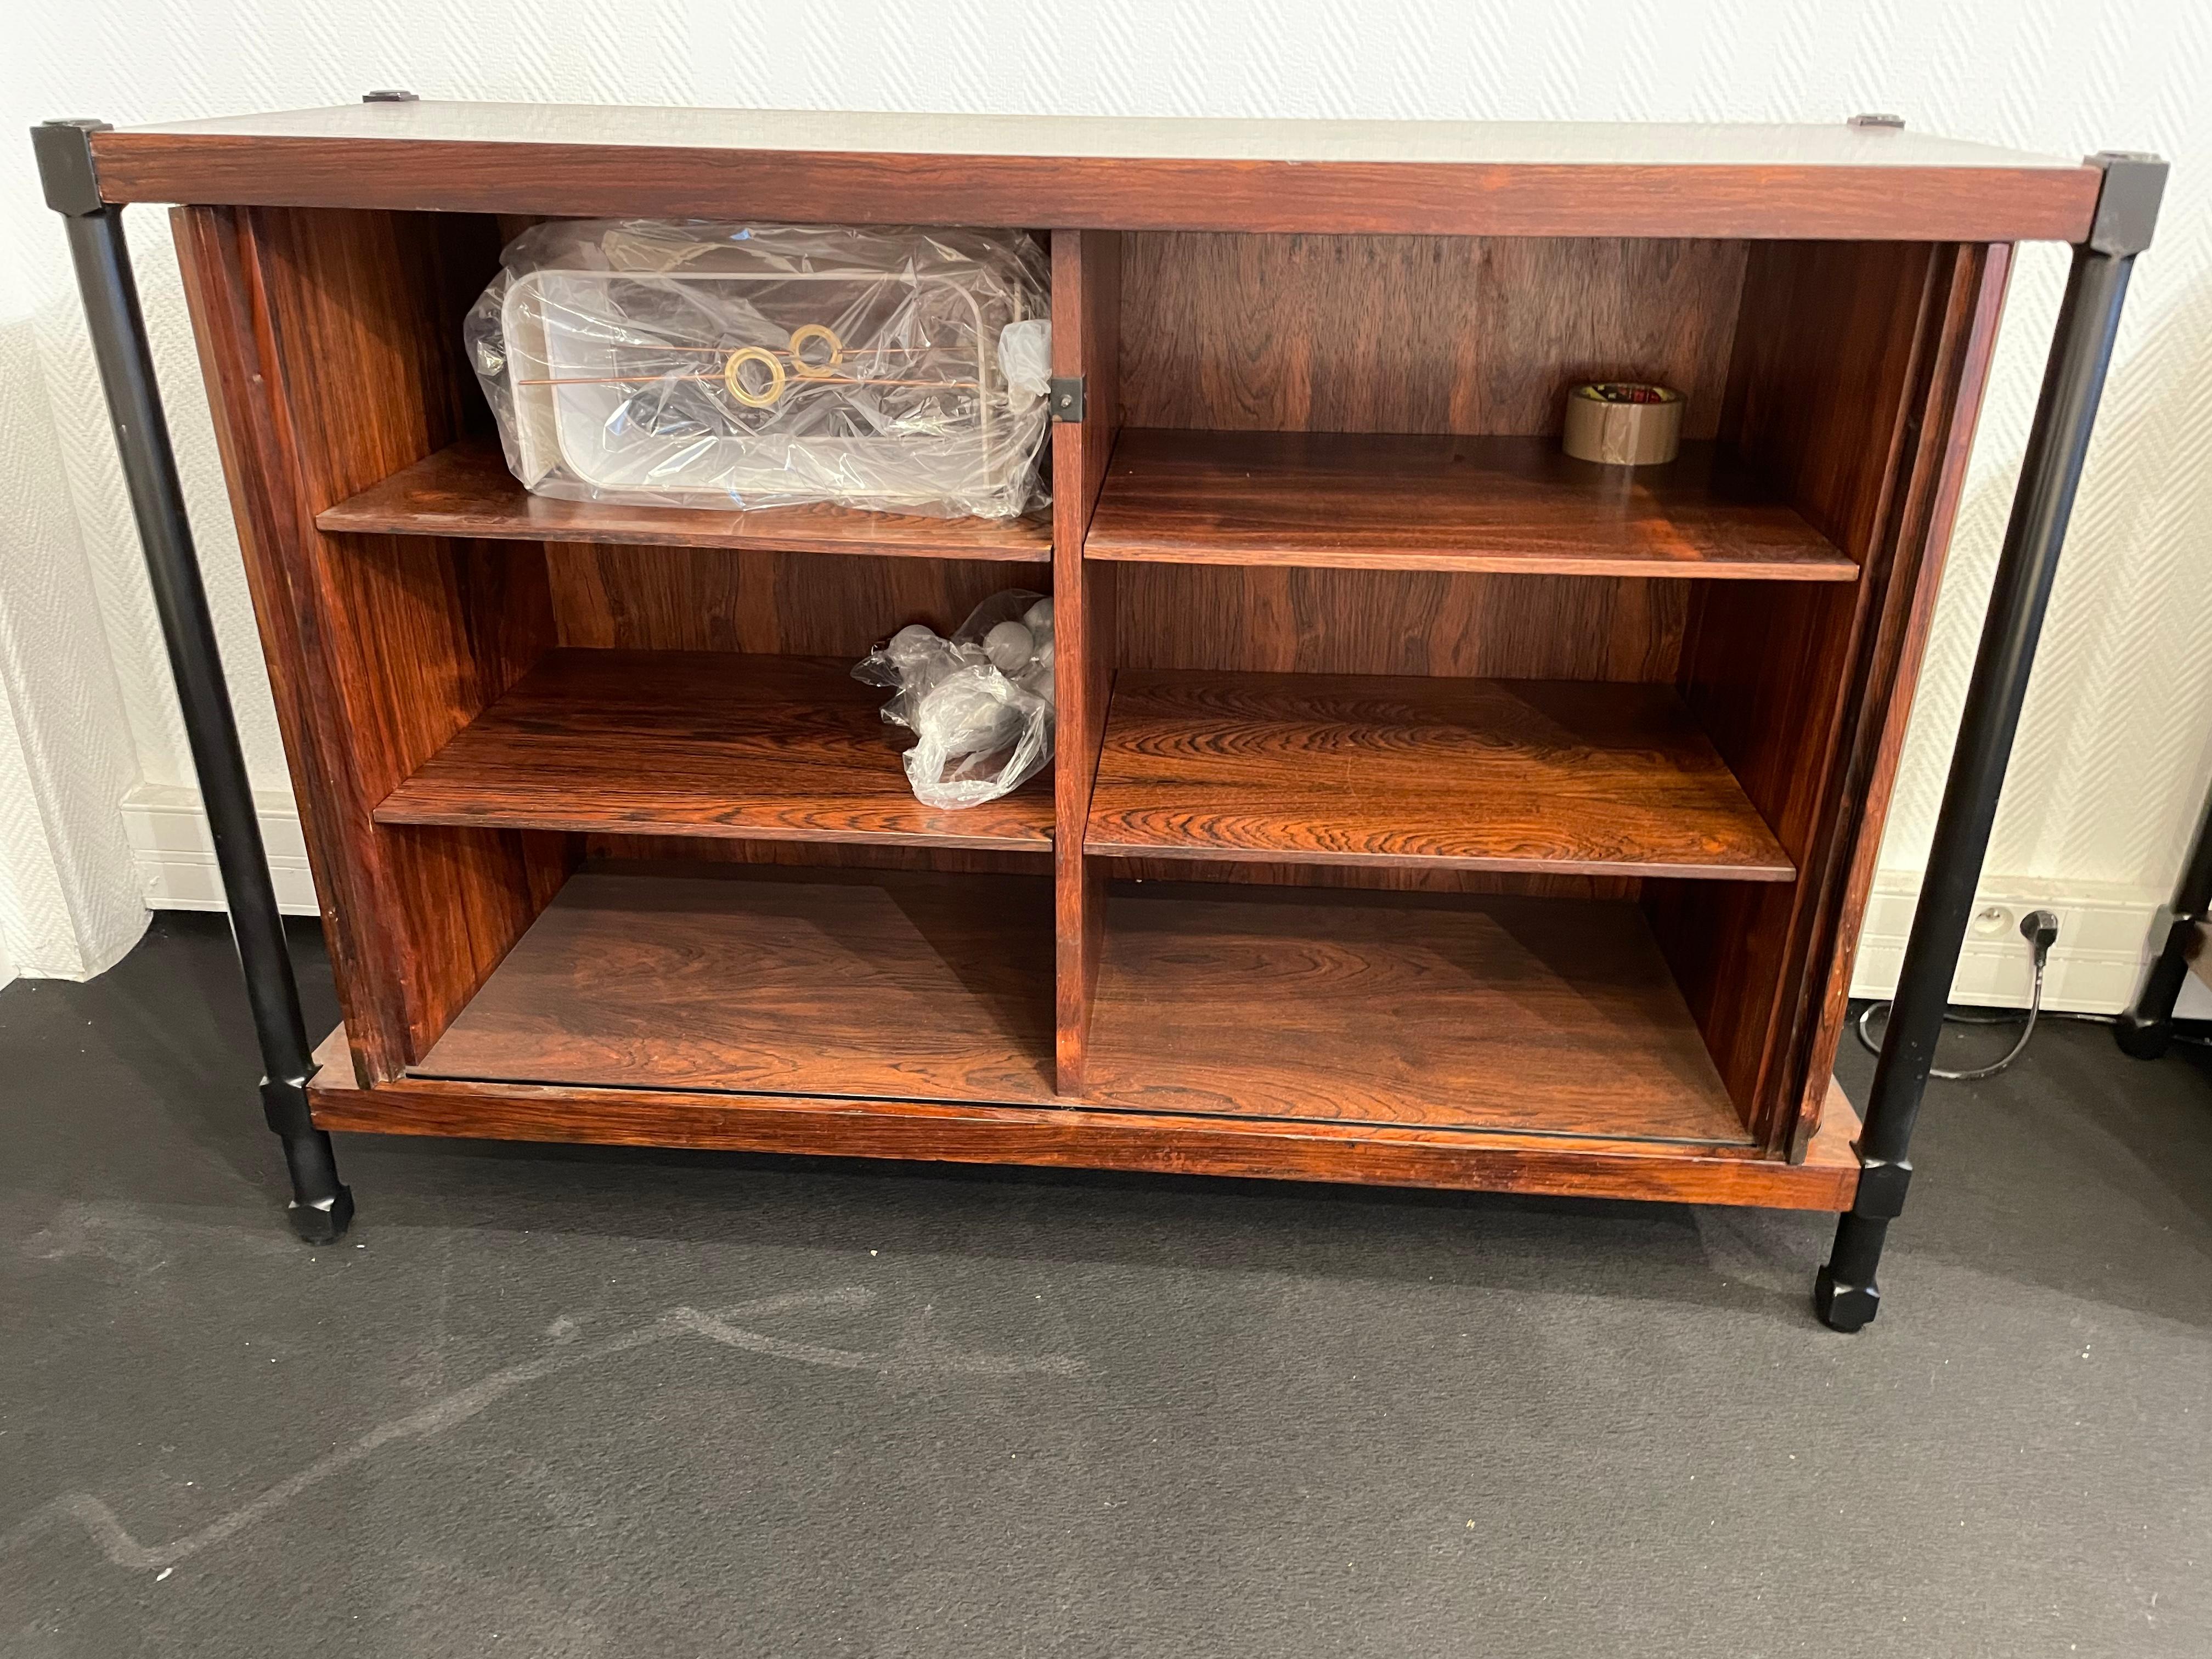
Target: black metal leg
point(321, 1206)
point(1845, 1295)
point(2145, 1029)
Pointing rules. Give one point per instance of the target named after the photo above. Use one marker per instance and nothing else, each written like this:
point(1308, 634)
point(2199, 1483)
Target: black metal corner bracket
point(1845, 1295)
point(321, 1206)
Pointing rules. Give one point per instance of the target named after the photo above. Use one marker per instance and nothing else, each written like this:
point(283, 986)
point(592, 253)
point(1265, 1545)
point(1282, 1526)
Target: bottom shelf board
point(1527, 1016)
point(760, 981)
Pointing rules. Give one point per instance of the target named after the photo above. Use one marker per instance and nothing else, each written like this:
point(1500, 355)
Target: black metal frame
point(2147, 1028)
point(321, 1206)
point(1846, 1296)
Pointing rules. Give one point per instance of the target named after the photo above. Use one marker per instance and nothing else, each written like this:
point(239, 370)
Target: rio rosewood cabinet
point(1429, 808)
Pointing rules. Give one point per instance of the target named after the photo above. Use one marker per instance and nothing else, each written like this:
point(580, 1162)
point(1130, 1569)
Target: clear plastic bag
point(980, 704)
point(698, 363)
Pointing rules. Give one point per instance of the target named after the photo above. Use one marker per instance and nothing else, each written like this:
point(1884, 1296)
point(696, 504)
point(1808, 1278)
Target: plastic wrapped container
point(980, 704)
point(695, 363)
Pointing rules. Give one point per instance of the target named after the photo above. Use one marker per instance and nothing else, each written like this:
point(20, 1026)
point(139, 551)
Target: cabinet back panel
point(1475, 335)
point(1274, 619)
point(812, 604)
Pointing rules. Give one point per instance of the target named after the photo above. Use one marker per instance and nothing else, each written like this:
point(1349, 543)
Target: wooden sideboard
point(1428, 808)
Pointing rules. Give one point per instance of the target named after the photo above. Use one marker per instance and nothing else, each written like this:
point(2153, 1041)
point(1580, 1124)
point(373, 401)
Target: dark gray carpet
point(551, 1401)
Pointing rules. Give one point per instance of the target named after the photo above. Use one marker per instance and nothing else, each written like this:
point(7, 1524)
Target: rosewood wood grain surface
point(1285, 619)
point(1835, 350)
point(1444, 503)
point(1375, 878)
point(1086, 279)
point(867, 984)
point(465, 490)
point(1084, 1138)
point(1541, 776)
point(333, 345)
point(800, 604)
point(1889, 666)
point(692, 743)
point(1404, 334)
point(819, 855)
point(1507, 180)
point(1537, 1015)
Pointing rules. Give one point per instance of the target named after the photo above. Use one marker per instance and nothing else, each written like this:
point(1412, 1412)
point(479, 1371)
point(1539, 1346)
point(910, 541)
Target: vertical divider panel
point(1087, 310)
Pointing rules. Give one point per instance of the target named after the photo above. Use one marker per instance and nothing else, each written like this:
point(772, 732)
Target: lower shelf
point(770, 981)
point(1515, 1044)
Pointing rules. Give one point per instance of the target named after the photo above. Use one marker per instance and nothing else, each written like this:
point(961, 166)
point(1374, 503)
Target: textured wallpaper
point(2113, 756)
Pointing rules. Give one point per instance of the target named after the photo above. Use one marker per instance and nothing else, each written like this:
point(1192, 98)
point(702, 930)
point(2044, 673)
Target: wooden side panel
point(1835, 349)
point(1086, 308)
point(1416, 334)
point(331, 341)
point(1977, 278)
point(801, 605)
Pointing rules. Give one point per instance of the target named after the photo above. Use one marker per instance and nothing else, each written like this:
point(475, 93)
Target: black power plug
point(2040, 929)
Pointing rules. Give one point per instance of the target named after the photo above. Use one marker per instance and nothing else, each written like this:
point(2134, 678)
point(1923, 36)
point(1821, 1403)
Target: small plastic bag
point(980, 704)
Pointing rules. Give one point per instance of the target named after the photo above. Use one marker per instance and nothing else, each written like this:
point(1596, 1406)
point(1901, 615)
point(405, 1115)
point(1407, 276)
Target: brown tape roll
point(1623, 423)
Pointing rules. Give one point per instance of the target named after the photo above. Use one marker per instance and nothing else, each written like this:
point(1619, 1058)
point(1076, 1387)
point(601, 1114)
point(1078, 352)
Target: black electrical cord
point(2040, 929)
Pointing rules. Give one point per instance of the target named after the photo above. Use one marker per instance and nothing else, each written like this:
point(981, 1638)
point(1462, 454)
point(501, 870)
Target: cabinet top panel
point(1426, 177)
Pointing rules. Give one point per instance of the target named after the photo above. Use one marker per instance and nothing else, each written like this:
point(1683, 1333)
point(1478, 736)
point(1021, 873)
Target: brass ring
point(799, 366)
point(739, 359)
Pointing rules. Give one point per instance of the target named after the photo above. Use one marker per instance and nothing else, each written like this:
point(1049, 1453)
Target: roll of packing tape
point(1623, 423)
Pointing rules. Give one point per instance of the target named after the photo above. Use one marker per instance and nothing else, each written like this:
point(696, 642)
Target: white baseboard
point(2104, 929)
point(2095, 967)
point(175, 856)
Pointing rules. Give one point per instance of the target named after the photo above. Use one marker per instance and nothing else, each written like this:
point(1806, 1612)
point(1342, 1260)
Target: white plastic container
point(694, 364)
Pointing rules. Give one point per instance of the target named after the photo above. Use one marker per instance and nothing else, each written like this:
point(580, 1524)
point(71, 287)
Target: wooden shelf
point(837, 982)
point(1368, 502)
point(465, 490)
point(696, 743)
point(1535, 776)
point(1551, 1018)
point(1535, 1015)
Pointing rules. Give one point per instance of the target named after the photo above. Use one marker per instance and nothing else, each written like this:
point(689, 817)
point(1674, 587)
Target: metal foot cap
point(1843, 1306)
point(324, 1221)
point(2141, 1038)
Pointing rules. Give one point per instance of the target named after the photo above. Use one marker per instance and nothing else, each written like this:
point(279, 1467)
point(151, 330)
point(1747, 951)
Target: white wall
point(2116, 746)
